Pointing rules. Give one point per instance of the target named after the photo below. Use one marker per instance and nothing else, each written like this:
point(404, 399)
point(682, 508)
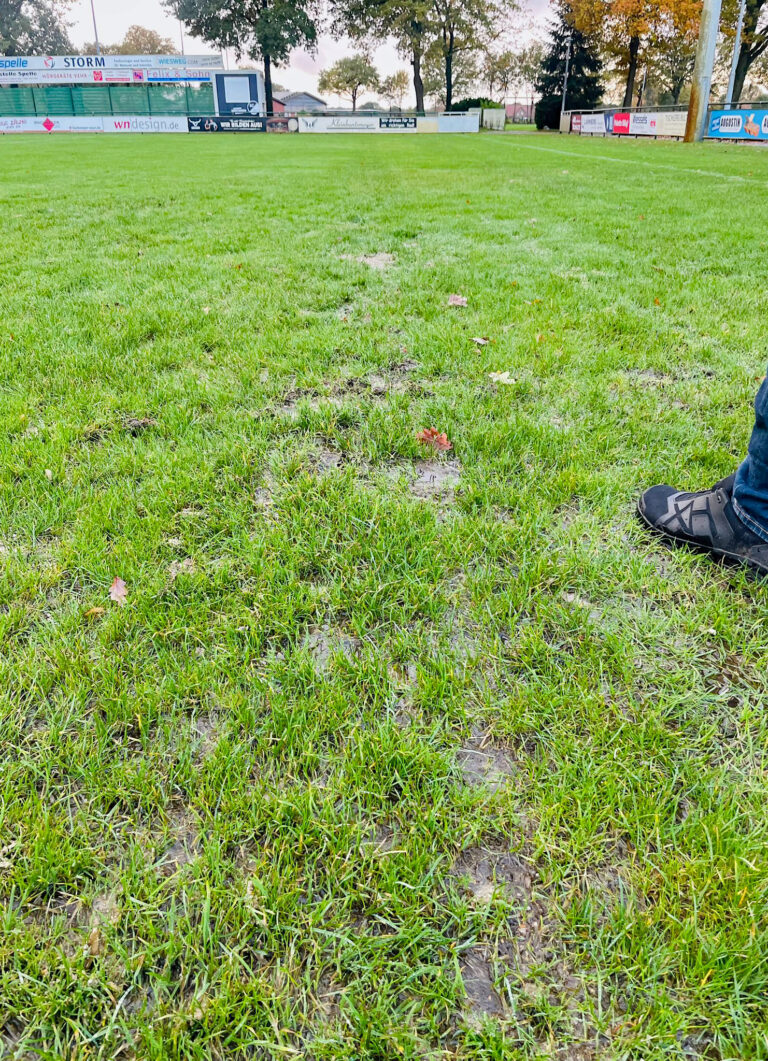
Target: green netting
point(53, 99)
point(167, 99)
point(129, 99)
point(90, 99)
point(16, 102)
point(106, 99)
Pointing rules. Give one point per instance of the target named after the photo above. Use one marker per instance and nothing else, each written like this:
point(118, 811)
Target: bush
point(547, 114)
point(465, 104)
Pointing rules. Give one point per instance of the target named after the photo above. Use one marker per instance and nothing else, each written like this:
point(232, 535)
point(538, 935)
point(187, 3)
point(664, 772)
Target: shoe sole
point(722, 554)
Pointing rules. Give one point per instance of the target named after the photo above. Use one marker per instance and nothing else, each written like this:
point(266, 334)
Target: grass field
point(386, 753)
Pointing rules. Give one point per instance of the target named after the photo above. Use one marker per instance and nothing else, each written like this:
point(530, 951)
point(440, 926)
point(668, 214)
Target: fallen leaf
point(118, 591)
point(430, 436)
point(94, 943)
point(457, 300)
point(49, 475)
point(657, 302)
point(93, 613)
point(502, 377)
point(539, 337)
point(481, 340)
point(206, 310)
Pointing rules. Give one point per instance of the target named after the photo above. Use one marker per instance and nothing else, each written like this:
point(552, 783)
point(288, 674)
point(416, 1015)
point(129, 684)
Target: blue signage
point(738, 125)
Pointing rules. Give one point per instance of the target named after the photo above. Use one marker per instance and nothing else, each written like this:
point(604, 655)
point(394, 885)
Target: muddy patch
point(323, 643)
point(481, 873)
point(482, 998)
point(435, 479)
point(378, 840)
point(327, 460)
point(182, 843)
point(381, 260)
point(482, 764)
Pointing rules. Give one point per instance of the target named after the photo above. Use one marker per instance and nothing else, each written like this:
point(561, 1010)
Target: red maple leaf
point(430, 436)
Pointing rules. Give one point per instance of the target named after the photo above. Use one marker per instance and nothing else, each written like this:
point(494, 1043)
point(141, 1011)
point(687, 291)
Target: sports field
point(381, 751)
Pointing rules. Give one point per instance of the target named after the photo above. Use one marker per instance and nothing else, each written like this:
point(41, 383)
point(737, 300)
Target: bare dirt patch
point(323, 642)
point(484, 872)
point(482, 764)
point(185, 843)
point(435, 479)
point(381, 260)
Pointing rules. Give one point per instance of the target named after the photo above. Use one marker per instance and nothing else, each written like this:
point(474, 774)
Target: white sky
point(113, 17)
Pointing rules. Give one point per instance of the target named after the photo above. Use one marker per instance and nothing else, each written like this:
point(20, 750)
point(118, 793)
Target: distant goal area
point(171, 94)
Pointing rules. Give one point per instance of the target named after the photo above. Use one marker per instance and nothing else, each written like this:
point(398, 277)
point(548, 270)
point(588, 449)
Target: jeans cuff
point(748, 522)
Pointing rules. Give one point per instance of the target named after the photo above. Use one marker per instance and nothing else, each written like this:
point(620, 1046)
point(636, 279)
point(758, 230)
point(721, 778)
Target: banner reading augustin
point(738, 125)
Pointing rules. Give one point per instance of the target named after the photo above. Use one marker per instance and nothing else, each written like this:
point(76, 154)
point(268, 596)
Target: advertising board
point(593, 124)
point(54, 124)
point(738, 125)
point(259, 124)
point(106, 69)
point(145, 123)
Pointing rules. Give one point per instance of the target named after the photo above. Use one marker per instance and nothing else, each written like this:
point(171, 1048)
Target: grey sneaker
point(705, 520)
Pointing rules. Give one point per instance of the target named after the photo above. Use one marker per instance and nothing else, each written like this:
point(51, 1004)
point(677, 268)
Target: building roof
point(286, 97)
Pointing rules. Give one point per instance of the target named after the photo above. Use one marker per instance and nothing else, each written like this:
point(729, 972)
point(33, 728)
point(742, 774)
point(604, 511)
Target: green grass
point(385, 755)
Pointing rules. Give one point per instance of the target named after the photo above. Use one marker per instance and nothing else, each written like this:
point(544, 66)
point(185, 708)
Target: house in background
point(297, 101)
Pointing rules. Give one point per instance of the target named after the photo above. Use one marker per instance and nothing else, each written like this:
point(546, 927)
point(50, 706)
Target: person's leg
point(750, 491)
point(731, 519)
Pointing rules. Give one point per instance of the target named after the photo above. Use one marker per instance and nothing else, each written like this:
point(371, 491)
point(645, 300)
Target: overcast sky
point(113, 17)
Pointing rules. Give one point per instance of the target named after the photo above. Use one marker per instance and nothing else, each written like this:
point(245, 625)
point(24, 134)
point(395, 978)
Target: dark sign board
point(397, 122)
point(243, 125)
point(237, 94)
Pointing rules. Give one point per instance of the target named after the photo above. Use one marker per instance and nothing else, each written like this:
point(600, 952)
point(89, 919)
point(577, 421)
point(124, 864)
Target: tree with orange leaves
point(630, 31)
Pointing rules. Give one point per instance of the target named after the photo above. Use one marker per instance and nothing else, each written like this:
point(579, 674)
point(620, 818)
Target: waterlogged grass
point(387, 754)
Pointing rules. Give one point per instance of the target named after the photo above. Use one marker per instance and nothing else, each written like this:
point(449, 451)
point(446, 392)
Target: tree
point(461, 29)
point(265, 30)
point(138, 40)
point(405, 21)
point(585, 89)
point(394, 87)
point(347, 76)
point(673, 47)
point(754, 42)
point(141, 41)
point(34, 27)
point(508, 71)
point(632, 32)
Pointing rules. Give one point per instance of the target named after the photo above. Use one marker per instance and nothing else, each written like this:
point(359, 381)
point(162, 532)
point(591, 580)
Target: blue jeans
point(750, 491)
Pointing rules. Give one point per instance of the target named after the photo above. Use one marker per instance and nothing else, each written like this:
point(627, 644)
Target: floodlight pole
point(702, 72)
point(181, 35)
point(565, 78)
point(95, 30)
point(736, 52)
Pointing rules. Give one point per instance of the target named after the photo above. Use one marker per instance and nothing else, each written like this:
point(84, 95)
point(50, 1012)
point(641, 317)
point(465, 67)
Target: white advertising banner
point(55, 124)
point(594, 124)
point(673, 123)
point(345, 123)
point(145, 123)
point(105, 69)
point(458, 123)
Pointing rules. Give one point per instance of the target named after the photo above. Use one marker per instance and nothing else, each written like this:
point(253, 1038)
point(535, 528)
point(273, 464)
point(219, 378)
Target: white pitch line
point(640, 162)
